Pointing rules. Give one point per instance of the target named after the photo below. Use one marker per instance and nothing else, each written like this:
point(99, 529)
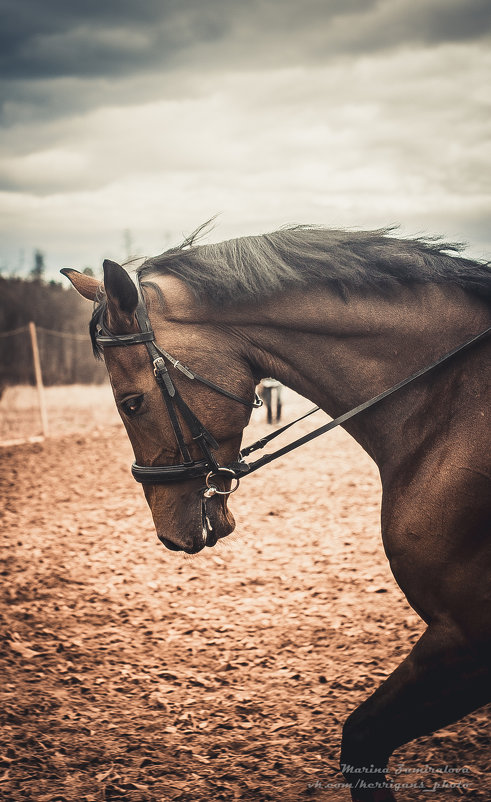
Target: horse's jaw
point(188, 522)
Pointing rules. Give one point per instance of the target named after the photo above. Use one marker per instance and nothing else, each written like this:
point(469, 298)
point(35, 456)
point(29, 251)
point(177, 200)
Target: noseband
point(208, 467)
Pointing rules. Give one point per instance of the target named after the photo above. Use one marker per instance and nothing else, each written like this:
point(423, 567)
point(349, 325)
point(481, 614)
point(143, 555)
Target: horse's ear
point(87, 286)
point(121, 293)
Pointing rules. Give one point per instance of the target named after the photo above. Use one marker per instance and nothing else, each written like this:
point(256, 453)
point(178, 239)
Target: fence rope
point(14, 331)
point(62, 334)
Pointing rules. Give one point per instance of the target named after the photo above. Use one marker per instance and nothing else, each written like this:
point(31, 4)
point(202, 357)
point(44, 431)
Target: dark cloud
point(404, 23)
point(122, 114)
point(57, 39)
point(58, 58)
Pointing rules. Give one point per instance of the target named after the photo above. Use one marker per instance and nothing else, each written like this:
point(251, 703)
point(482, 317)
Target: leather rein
point(208, 467)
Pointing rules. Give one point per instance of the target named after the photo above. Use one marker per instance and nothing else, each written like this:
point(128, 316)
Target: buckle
point(159, 366)
point(161, 373)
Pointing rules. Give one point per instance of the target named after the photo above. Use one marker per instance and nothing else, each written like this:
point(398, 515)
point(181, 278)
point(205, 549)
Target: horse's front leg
point(441, 680)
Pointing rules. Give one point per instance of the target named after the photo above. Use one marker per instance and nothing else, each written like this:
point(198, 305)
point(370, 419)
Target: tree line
point(61, 317)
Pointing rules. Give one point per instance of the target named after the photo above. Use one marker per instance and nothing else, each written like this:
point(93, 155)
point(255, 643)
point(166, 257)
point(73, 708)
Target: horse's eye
point(131, 406)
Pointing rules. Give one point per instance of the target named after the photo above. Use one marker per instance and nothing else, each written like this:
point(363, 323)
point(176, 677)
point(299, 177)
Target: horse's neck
point(340, 354)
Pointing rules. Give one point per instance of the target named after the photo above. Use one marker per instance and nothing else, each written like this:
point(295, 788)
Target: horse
point(268, 388)
point(338, 316)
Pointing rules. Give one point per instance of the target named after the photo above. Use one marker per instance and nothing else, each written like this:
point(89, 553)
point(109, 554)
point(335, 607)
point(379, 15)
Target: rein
point(244, 469)
point(208, 467)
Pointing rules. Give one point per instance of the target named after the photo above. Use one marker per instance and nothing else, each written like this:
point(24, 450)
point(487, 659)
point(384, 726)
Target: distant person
point(268, 388)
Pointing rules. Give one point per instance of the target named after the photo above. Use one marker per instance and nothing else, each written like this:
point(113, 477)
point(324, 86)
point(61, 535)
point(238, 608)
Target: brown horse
point(338, 317)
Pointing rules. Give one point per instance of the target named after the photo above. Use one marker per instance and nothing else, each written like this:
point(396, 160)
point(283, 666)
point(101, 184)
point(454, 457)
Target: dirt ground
point(133, 673)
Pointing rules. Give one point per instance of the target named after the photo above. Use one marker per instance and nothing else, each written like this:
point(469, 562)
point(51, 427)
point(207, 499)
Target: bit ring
point(215, 489)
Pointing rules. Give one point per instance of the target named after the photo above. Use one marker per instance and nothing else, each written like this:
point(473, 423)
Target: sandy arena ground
point(133, 673)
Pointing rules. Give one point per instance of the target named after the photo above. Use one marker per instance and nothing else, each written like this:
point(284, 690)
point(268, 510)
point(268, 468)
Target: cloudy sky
point(125, 125)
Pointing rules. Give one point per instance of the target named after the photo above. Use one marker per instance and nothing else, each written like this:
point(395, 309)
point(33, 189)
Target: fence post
point(39, 378)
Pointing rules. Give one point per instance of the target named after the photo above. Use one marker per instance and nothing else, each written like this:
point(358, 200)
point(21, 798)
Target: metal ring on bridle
point(216, 473)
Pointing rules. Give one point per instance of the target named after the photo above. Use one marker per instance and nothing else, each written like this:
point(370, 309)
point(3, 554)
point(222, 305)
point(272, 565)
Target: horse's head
point(185, 517)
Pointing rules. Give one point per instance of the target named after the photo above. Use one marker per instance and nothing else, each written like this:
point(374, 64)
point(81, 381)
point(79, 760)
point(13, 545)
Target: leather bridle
point(208, 467)
point(189, 468)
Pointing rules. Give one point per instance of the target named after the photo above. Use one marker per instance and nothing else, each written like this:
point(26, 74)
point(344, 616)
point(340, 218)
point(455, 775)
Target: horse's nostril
point(169, 544)
point(173, 547)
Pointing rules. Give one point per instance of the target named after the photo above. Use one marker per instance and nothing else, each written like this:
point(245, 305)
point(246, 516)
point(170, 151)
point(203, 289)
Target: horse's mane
point(255, 267)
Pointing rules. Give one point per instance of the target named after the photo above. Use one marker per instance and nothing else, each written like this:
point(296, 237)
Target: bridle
point(208, 467)
point(189, 468)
